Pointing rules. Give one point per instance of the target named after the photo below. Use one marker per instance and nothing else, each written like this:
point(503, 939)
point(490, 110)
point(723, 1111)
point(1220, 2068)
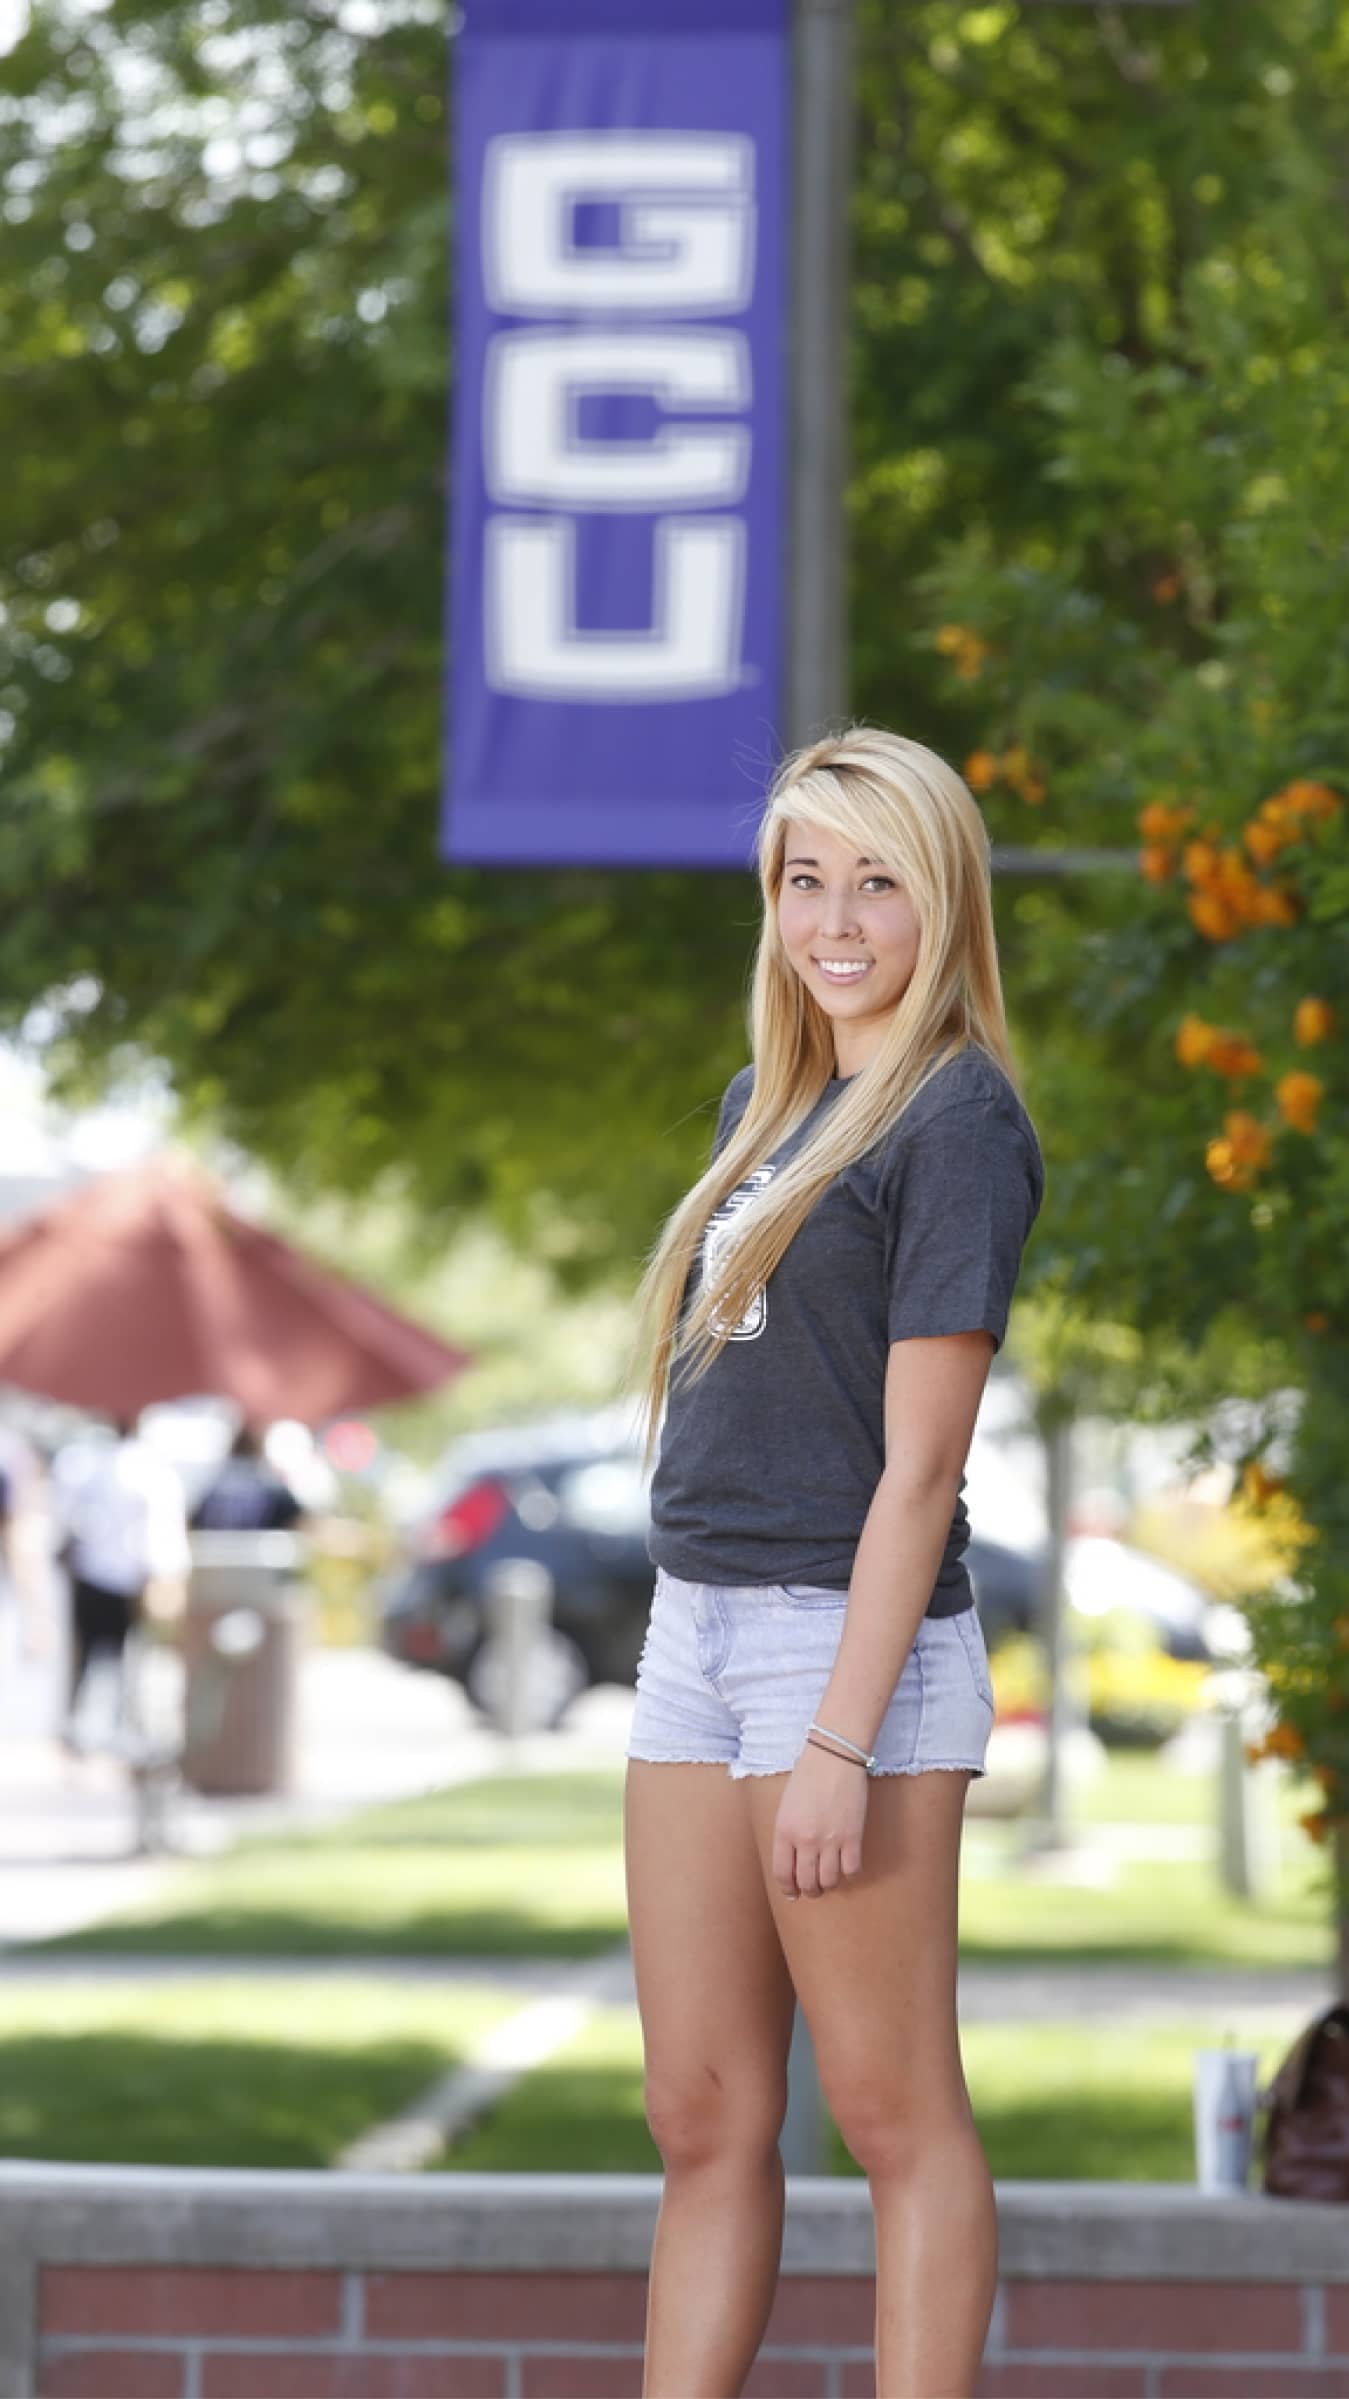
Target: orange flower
point(1263, 841)
point(1313, 1021)
point(1310, 799)
point(1247, 1136)
point(1200, 860)
point(1155, 864)
point(1299, 1096)
point(1258, 1485)
point(1236, 884)
point(1230, 1055)
point(1033, 791)
point(1158, 822)
point(1166, 589)
point(981, 770)
point(950, 639)
point(1211, 915)
point(1317, 1321)
point(1194, 1040)
point(1316, 1825)
point(1274, 904)
point(1284, 1741)
point(1235, 1156)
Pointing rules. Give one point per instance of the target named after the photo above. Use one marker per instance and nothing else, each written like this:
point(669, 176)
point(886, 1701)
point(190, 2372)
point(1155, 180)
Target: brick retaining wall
point(144, 2283)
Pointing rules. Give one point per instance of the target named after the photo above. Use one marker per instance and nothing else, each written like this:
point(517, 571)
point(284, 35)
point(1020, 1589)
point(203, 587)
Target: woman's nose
point(840, 916)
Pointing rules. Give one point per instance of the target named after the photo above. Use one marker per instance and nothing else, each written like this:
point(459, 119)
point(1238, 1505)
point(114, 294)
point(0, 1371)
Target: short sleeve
point(961, 1201)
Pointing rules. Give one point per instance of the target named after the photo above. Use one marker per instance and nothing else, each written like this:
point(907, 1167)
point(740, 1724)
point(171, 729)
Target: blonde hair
point(899, 804)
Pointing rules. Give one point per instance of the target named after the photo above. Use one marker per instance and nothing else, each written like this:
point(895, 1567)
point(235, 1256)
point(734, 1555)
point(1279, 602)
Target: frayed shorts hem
point(739, 1771)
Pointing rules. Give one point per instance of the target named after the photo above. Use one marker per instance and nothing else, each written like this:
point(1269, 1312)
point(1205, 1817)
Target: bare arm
point(932, 1394)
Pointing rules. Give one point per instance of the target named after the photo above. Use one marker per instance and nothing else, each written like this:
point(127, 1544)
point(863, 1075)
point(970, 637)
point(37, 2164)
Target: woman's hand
point(817, 1840)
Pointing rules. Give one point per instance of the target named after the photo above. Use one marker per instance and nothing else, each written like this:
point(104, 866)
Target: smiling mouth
point(842, 970)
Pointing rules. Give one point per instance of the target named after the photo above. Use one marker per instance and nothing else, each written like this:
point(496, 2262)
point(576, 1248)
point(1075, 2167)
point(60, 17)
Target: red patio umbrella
point(148, 1286)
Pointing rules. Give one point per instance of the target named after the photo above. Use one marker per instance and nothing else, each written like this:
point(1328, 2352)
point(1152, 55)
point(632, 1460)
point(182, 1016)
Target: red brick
point(520, 2307)
point(1061, 2382)
point(188, 2299)
point(788, 2378)
point(283, 2375)
point(111, 2374)
point(1028, 2382)
point(1153, 2315)
point(1337, 2319)
point(1252, 2382)
point(581, 2377)
point(823, 2307)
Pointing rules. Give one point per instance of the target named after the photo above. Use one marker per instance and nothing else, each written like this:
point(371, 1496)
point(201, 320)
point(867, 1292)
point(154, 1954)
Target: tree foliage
point(224, 370)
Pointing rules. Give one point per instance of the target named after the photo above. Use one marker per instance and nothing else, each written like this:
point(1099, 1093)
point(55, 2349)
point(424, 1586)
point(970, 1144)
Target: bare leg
point(875, 1964)
point(716, 2006)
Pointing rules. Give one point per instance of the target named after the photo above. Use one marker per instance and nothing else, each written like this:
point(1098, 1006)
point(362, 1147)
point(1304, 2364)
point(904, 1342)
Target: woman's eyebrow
point(815, 862)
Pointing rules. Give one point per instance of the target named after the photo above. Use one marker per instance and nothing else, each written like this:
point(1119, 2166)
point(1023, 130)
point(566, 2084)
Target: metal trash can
point(242, 1632)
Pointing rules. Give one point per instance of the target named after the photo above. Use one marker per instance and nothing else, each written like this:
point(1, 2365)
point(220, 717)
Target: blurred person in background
point(123, 1536)
point(247, 1494)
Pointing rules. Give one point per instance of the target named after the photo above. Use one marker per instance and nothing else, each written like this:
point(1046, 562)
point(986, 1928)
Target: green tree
point(1176, 668)
point(223, 373)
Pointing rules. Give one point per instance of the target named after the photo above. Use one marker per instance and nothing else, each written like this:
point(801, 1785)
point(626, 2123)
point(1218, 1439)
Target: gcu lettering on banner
point(685, 246)
point(616, 504)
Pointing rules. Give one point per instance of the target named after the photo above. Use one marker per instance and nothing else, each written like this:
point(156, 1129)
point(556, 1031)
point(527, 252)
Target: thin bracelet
point(862, 1756)
point(812, 1743)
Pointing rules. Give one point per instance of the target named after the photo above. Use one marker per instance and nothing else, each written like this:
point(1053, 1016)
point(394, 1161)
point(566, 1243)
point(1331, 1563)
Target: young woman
point(814, 1698)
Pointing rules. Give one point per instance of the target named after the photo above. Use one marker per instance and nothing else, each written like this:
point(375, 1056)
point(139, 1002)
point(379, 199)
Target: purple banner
point(617, 534)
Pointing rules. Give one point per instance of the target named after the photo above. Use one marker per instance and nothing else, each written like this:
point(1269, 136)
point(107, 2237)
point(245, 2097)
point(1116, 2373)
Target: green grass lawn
point(527, 1865)
point(532, 1865)
point(222, 2073)
point(1053, 2102)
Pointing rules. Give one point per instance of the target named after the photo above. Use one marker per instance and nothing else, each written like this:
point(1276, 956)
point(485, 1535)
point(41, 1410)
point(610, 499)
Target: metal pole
point(822, 83)
point(817, 657)
point(1053, 1832)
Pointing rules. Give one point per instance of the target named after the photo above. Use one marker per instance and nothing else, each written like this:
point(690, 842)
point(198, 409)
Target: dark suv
point(570, 1496)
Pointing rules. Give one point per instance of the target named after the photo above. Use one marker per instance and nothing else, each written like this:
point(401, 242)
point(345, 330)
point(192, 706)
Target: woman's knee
point(702, 2114)
point(893, 2130)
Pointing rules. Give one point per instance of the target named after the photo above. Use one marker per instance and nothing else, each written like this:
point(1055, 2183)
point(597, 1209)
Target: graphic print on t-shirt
point(714, 1249)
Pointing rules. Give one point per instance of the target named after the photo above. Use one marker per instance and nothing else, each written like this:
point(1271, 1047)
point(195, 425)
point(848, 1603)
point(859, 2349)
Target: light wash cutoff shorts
point(731, 1675)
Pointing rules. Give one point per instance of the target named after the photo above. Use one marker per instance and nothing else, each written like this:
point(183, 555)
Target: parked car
point(570, 1496)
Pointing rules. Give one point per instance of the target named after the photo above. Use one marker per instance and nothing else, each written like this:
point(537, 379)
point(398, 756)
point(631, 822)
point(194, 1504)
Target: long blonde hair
point(899, 804)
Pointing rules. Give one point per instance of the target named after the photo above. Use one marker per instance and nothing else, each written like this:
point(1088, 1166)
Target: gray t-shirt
point(769, 1462)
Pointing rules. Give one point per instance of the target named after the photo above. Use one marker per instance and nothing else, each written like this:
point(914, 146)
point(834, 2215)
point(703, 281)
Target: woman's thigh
point(874, 1960)
point(713, 1988)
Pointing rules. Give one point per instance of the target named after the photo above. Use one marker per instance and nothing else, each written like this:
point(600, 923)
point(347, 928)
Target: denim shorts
point(731, 1675)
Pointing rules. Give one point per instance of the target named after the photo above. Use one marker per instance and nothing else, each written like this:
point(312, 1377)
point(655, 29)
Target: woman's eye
point(803, 882)
point(879, 883)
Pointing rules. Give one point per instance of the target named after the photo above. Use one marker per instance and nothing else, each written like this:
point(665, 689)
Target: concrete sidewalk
point(368, 1730)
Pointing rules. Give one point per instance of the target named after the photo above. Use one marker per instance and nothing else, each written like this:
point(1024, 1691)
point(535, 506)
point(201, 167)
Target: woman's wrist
point(827, 1750)
point(840, 1745)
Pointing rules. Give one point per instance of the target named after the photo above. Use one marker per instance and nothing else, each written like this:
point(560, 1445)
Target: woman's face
point(851, 932)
